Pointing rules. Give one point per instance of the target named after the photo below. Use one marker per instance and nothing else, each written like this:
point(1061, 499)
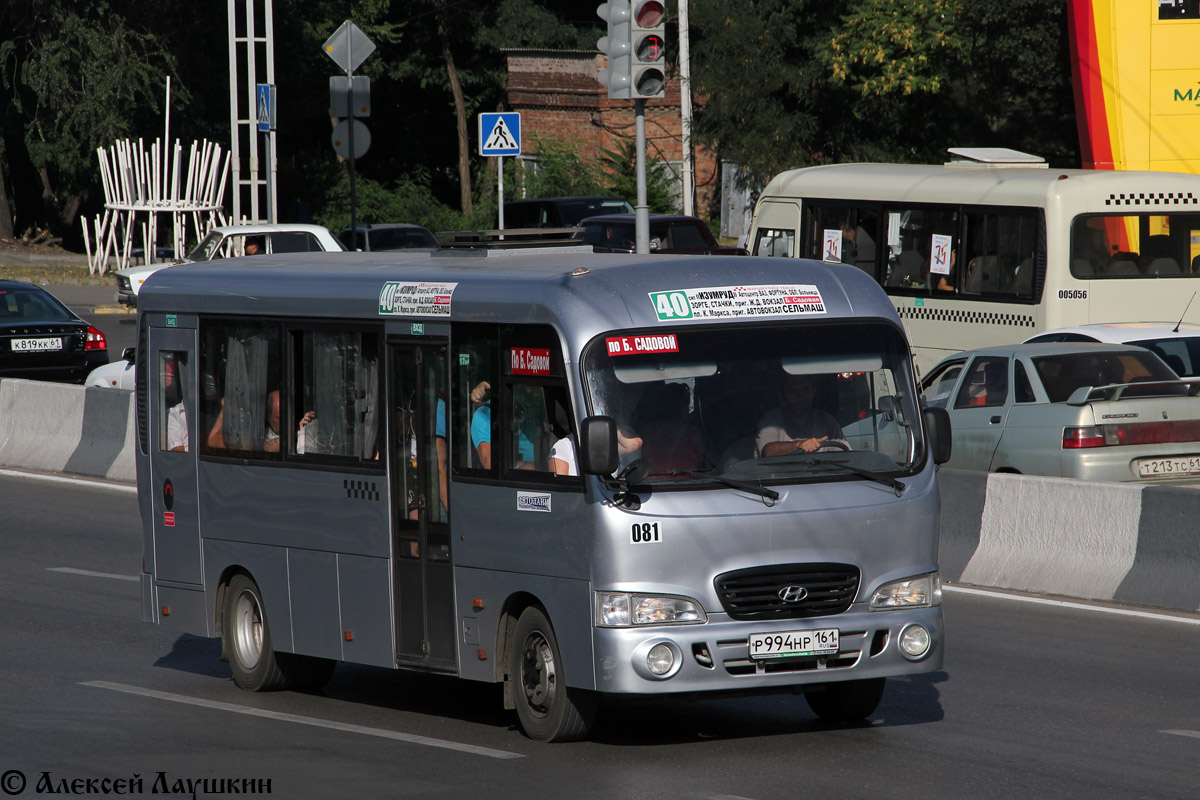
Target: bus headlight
point(624, 610)
point(918, 592)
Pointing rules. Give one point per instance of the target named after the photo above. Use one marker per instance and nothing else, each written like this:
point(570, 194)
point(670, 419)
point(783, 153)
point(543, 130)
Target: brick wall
point(559, 95)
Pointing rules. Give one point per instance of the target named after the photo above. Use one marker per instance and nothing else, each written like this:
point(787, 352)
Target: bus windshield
point(784, 403)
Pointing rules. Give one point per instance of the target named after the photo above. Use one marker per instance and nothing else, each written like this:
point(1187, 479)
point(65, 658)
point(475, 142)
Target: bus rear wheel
point(547, 709)
point(248, 639)
point(848, 701)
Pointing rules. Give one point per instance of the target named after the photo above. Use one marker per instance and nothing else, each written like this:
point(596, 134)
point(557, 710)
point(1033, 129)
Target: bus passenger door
point(171, 387)
point(421, 548)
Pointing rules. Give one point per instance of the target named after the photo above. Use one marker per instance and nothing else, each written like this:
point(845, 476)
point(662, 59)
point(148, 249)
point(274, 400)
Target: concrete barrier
point(66, 428)
point(1124, 542)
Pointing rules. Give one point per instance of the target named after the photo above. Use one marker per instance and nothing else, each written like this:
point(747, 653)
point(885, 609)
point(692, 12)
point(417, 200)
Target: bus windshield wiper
point(753, 488)
point(870, 475)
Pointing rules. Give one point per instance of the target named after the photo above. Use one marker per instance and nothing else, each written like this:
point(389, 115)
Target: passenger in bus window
point(670, 441)
point(177, 431)
point(271, 445)
point(562, 456)
point(561, 460)
point(797, 427)
point(481, 423)
point(946, 283)
point(481, 431)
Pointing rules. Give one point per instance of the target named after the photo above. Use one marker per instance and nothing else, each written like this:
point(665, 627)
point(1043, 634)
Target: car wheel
point(848, 701)
point(547, 709)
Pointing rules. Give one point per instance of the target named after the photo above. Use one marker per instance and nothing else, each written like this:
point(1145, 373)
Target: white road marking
point(1044, 601)
point(1193, 734)
point(119, 487)
point(91, 574)
point(320, 723)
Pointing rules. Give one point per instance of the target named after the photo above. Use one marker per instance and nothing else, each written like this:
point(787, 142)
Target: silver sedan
point(1105, 412)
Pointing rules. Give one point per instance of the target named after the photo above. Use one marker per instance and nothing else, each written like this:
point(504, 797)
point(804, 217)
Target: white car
point(1178, 344)
point(235, 240)
point(115, 374)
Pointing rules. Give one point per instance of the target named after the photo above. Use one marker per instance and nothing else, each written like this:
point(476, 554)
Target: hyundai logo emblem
point(792, 594)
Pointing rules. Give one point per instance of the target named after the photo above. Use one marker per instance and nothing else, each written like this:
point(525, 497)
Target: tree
point(789, 84)
point(73, 80)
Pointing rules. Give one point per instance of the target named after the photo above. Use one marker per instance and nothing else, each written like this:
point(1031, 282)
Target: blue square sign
point(500, 134)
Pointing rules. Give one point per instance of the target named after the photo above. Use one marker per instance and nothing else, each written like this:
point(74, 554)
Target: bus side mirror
point(937, 428)
point(598, 446)
point(130, 355)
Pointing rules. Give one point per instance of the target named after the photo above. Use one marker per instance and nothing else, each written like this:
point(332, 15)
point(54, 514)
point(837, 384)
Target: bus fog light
point(661, 659)
point(915, 641)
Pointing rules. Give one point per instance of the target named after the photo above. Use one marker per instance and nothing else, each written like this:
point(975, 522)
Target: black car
point(560, 212)
point(669, 233)
point(42, 339)
point(390, 236)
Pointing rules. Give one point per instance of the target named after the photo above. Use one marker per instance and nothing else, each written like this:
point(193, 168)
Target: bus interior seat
point(1123, 266)
point(1083, 267)
point(1163, 265)
point(1023, 285)
point(908, 265)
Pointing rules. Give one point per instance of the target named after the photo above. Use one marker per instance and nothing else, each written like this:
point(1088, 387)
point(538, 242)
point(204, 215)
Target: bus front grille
point(788, 591)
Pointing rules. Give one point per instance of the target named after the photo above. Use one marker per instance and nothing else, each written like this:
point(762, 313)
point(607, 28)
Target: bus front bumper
point(714, 656)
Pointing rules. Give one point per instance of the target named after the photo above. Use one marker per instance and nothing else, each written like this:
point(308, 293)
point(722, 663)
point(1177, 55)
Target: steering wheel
point(837, 444)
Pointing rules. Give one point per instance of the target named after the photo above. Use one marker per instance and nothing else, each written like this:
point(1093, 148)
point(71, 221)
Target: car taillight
point(1165, 432)
point(1090, 436)
point(95, 340)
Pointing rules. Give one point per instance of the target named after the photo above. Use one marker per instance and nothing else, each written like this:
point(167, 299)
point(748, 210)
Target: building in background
point(559, 95)
point(1137, 83)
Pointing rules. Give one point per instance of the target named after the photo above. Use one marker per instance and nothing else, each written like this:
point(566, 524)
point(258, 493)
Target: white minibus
point(994, 246)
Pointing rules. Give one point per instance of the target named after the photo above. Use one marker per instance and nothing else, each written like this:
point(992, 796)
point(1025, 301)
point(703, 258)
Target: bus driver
point(797, 427)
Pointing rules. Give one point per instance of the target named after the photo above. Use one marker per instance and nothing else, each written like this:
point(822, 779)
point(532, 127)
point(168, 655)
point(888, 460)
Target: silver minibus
point(581, 476)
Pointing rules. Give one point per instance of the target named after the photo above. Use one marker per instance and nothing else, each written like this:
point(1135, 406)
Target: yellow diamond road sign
point(348, 47)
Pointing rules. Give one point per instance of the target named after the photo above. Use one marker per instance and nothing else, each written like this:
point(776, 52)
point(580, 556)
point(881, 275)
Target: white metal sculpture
point(152, 181)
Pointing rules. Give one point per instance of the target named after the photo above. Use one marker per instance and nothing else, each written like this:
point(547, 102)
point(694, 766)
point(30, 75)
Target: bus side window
point(774, 242)
point(336, 394)
point(541, 430)
point(244, 419)
point(172, 411)
point(475, 385)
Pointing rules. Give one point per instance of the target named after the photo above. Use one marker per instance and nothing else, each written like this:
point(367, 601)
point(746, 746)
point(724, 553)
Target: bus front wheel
point(547, 709)
point(848, 701)
point(248, 638)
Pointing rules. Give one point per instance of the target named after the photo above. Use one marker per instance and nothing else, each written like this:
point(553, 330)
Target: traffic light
point(648, 48)
point(615, 45)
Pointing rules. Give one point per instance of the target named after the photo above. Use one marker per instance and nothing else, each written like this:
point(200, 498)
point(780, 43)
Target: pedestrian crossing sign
point(500, 134)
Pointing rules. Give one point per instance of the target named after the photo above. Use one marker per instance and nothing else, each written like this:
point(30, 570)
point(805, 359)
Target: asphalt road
point(1036, 700)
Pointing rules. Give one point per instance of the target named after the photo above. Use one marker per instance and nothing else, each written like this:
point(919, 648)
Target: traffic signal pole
point(635, 49)
point(641, 218)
